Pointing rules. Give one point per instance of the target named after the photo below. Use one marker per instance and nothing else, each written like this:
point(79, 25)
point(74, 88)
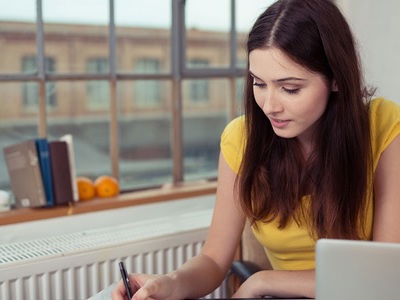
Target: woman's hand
point(245, 292)
point(146, 287)
point(281, 284)
point(247, 289)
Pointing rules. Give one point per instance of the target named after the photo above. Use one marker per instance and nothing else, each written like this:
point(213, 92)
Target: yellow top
point(292, 248)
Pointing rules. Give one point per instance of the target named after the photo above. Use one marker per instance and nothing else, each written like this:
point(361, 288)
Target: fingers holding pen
point(145, 287)
point(120, 291)
point(153, 287)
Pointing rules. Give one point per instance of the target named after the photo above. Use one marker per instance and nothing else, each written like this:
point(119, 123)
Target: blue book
point(43, 151)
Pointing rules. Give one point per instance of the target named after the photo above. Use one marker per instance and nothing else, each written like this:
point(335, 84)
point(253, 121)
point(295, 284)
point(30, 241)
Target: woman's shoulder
point(384, 114)
point(234, 130)
point(232, 142)
point(385, 124)
point(382, 107)
point(235, 124)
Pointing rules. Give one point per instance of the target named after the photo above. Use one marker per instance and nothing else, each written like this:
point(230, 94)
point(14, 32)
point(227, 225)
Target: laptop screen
point(357, 270)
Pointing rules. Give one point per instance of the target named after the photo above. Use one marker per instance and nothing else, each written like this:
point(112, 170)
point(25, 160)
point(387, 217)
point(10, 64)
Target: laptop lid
point(357, 270)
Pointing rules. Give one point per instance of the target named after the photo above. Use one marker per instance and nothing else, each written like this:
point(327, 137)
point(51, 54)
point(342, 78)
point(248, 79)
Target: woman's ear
point(334, 87)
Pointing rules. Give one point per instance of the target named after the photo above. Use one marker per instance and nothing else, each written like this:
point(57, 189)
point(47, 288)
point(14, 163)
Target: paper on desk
point(104, 294)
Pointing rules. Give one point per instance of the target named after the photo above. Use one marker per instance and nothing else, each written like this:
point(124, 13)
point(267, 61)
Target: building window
point(98, 92)
point(31, 89)
point(199, 89)
point(147, 92)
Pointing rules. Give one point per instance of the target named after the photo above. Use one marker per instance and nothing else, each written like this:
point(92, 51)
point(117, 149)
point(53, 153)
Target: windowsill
point(127, 199)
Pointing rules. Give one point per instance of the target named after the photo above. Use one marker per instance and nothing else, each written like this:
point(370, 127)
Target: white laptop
point(357, 270)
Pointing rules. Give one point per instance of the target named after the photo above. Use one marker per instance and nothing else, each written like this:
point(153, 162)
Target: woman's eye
point(291, 91)
point(259, 84)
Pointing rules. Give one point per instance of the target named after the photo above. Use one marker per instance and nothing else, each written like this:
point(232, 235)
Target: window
point(30, 89)
point(147, 92)
point(214, 25)
point(199, 89)
point(98, 92)
point(145, 98)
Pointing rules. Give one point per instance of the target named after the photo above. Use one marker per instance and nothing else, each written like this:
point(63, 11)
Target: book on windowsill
point(61, 170)
point(69, 140)
point(42, 146)
point(25, 176)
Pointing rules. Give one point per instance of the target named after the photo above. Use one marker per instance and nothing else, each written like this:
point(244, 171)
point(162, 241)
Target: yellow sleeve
point(232, 143)
point(385, 125)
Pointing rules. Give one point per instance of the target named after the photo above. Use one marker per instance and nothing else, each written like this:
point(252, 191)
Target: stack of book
point(42, 172)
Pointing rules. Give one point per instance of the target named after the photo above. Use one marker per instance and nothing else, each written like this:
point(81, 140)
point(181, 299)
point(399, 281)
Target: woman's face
point(292, 97)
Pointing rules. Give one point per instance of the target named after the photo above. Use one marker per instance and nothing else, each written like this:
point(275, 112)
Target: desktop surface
point(269, 298)
point(105, 294)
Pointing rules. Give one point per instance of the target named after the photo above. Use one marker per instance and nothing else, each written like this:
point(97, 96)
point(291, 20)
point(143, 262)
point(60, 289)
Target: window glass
point(239, 86)
point(145, 138)
point(98, 92)
point(147, 65)
point(198, 90)
point(16, 124)
point(239, 97)
point(17, 33)
point(76, 41)
point(30, 89)
point(97, 95)
point(207, 31)
point(247, 12)
point(202, 128)
point(147, 93)
point(143, 29)
point(75, 31)
point(90, 129)
point(97, 65)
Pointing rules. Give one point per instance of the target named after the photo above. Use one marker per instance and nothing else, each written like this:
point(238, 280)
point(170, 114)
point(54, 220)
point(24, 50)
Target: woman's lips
point(279, 123)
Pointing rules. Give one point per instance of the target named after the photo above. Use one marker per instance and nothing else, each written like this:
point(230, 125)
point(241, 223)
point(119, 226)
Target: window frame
point(179, 72)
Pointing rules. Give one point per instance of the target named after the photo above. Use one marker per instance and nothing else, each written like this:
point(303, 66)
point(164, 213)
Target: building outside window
point(147, 93)
point(30, 89)
point(97, 91)
point(198, 89)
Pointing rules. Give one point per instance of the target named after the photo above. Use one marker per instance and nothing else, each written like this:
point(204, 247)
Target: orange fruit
point(106, 186)
point(86, 189)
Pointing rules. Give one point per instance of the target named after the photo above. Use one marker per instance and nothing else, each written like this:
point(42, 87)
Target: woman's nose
point(271, 103)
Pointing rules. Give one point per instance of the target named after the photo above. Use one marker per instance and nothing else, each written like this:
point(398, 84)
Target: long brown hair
point(274, 176)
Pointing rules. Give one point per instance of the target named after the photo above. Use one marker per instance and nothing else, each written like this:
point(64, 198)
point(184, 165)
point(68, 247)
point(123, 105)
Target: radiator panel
point(79, 265)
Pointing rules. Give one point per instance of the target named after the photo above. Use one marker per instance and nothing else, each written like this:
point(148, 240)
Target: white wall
point(376, 25)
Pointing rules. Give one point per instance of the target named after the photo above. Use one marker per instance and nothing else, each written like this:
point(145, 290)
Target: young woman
point(312, 157)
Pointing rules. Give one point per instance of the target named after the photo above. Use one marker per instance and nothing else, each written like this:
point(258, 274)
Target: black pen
point(125, 279)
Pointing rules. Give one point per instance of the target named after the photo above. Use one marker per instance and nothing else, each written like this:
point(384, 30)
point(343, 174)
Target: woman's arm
point(287, 284)
point(205, 272)
point(387, 195)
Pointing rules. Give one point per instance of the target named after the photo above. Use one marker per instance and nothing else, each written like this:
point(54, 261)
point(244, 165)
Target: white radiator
point(78, 265)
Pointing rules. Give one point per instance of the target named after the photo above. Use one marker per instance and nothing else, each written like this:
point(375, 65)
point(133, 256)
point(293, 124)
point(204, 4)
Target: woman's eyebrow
point(254, 76)
point(289, 79)
point(280, 79)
